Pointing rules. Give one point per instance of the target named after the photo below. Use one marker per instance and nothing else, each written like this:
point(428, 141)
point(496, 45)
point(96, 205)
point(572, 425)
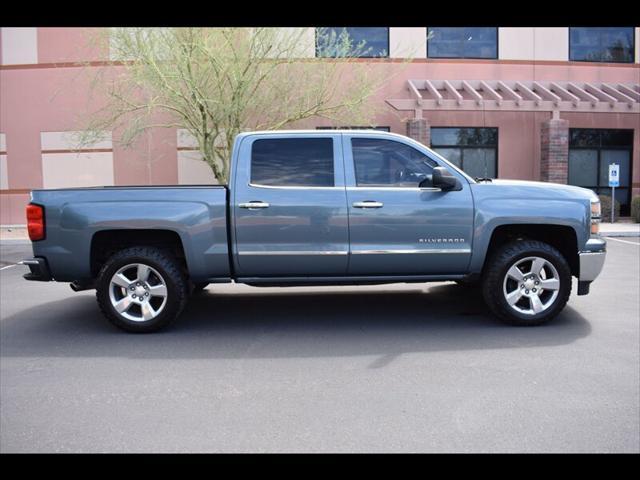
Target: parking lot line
point(623, 241)
point(8, 266)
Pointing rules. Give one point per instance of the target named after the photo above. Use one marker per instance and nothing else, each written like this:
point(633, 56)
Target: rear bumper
point(38, 269)
point(592, 259)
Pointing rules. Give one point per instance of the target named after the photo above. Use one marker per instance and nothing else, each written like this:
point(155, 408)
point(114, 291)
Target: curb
point(620, 234)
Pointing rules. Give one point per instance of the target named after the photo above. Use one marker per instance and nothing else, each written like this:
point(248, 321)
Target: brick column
point(554, 151)
point(419, 129)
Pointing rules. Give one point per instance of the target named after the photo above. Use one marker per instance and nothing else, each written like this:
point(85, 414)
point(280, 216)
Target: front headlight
point(595, 217)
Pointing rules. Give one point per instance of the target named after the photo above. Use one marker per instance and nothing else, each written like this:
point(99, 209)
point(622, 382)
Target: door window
point(387, 163)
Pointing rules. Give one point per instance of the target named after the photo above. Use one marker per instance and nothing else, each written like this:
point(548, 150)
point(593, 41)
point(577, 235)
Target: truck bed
point(196, 213)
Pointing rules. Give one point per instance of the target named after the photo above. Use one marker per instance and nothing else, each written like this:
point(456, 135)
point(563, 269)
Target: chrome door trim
point(411, 251)
point(294, 252)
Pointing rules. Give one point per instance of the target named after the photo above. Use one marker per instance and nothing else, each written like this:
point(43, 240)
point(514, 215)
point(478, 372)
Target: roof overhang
point(510, 95)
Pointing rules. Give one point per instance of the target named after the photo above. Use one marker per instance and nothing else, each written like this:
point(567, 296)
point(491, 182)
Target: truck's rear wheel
point(527, 282)
point(141, 289)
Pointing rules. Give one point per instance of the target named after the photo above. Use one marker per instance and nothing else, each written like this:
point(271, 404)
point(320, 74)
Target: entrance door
point(591, 151)
point(289, 206)
point(397, 228)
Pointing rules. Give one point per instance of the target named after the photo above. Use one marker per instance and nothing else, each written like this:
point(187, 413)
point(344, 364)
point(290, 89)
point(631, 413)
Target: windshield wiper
point(481, 179)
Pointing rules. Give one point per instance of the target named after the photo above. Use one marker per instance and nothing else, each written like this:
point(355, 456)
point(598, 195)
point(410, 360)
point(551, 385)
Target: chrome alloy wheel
point(531, 285)
point(138, 292)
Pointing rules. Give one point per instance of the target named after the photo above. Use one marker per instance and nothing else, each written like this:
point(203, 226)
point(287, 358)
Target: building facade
point(553, 104)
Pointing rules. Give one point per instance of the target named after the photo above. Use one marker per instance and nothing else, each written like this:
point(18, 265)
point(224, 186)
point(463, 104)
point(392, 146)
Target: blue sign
point(614, 175)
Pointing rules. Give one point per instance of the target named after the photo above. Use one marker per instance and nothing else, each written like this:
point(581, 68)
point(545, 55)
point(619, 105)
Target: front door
point(397, 228)
point(289, 206)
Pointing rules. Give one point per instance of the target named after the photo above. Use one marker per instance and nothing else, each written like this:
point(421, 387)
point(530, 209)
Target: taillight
point(35, 222)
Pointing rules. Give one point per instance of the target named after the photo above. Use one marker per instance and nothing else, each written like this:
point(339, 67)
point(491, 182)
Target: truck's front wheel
point(141, 289)
point(526, 282)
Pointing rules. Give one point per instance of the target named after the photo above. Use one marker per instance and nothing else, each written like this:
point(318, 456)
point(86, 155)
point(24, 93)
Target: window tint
point(388, 163)
point(474, 150)
point(352, 41)
point(304, 162)
point(601, 44)
point(462, 42)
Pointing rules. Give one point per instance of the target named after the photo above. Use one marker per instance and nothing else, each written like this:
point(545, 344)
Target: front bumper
point(39, 270)
point(592, 259)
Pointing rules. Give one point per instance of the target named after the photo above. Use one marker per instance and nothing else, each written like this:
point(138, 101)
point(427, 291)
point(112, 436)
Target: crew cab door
point(397, 228)
point(289, 206)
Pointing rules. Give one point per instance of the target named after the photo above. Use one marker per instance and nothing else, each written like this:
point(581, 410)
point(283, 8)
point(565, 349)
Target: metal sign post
point(614, 181)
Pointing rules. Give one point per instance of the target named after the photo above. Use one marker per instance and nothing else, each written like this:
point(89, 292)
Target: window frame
point(380, 128)
point(388, 55)
point(349, 163)
point(599, 149)
point(633, 49)
point(497, 57)
point(335, 168)
point(463, 147)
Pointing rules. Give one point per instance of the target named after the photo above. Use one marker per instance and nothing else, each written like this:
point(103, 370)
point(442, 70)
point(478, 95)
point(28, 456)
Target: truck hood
point(528, 189)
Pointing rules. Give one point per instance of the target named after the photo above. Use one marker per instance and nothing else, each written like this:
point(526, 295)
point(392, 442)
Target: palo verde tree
point(218, 82)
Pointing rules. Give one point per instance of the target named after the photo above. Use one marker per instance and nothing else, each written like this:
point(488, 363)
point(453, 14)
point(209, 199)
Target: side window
point(387, 163)
point(289, 162)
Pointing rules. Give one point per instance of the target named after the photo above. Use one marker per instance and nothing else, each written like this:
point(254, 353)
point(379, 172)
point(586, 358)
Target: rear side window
point(289, 162)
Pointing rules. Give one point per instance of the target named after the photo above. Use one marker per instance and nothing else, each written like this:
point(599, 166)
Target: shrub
point(635, 209)
point(605, 207)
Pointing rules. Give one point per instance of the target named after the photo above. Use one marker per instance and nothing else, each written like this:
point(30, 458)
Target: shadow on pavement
point(287, 323)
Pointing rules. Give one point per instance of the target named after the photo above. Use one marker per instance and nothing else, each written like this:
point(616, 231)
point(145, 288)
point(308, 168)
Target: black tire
point(496, 269)
point(169, 269)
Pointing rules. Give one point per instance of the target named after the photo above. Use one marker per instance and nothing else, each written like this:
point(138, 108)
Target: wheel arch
point(561, 237)
point(105, 243)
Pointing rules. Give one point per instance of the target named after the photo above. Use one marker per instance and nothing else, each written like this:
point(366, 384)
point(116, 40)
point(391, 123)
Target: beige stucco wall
point(192, 170)
point(19, 45)
point(533, 43)
point(62, 167)
point(408, 42)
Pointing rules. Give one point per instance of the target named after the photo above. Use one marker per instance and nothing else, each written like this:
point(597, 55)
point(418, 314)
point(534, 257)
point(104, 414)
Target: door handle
point(368, 204)
point(254, 204)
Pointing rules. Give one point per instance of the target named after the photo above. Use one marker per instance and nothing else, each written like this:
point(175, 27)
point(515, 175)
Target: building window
point(590, 153)
point(288, 162)
point(474, 150)
point(462, 42)
point(363, 42)
point(602, 44)
point(382, 129)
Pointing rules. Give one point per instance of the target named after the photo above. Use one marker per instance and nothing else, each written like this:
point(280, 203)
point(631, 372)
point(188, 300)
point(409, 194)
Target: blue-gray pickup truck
point(324, 207)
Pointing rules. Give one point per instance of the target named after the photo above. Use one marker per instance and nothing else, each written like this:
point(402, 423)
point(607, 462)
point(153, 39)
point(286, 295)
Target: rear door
point(396, 227)
point(289, 206)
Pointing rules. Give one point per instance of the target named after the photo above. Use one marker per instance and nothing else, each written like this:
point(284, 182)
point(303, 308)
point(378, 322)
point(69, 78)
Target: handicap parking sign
point(614, 175)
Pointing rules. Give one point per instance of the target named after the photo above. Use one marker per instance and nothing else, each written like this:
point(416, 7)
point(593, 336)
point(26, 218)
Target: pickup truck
point(322, 207)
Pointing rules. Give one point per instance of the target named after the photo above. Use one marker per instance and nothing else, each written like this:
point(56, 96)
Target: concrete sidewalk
point(620, 229)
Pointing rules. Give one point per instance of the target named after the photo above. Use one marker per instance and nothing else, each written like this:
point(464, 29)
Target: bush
point(605, 208)
point(635, 209)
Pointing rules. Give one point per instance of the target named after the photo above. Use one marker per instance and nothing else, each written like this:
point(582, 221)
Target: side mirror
point(444, 180)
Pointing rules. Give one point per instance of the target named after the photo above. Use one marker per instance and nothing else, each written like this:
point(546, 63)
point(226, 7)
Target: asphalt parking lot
point(404, 367)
